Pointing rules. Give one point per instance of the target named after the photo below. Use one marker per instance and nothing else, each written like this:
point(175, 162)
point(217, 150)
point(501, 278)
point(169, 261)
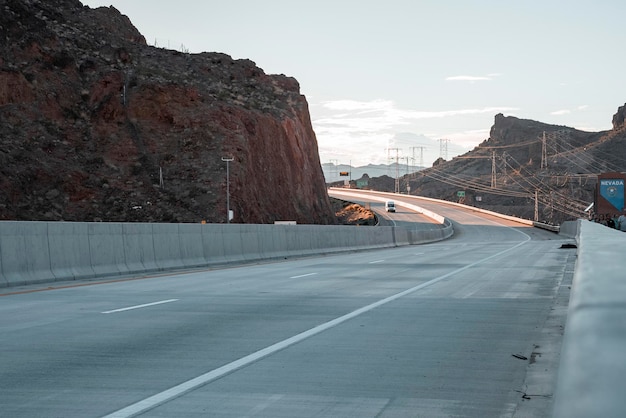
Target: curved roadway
point(455, 328)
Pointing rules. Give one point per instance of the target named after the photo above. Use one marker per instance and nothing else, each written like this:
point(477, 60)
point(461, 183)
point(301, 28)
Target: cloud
point(356, 105)
point(467, 139)
point(468, 78)
point(364, 128)
point(562, 112)
point(385, 110)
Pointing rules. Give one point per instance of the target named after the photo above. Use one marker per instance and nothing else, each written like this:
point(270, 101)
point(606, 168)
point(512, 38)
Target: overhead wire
point(534, 180)
point(559, 201)
point(573, 154)
point(550, 195)
point(465, 184)
point(557, 204)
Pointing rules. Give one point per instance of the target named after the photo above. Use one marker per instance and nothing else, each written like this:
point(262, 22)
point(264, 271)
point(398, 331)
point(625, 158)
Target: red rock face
point(619, 117)
point(96, 125)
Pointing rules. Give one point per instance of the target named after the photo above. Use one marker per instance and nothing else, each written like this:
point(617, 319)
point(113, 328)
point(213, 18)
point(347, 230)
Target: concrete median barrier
point(191, 245)
point(213, 243)
point(139, 247)
point(24, 253)
point(106, 249)
point(38, 252)
point(167, 251)
point(69, 250)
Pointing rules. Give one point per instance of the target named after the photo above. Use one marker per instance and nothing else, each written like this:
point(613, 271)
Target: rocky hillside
point(95, 125)
point(523, 159)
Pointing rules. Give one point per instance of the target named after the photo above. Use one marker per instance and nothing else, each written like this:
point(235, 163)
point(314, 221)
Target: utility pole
point(350, 167)
point(227, 160)
point(493, 170)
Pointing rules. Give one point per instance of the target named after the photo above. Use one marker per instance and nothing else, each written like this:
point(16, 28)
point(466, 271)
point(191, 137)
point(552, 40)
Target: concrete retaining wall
point(39, 252)
point(592, 373)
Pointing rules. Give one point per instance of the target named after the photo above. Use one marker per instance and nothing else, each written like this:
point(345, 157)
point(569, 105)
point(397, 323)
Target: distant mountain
point(523, 160)
point(332, 172)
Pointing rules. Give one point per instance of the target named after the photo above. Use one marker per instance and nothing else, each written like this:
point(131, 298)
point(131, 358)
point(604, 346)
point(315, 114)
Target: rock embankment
point(96, 125)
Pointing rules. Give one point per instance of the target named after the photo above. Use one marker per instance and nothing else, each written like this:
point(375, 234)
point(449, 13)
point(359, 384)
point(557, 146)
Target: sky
point(401, 78)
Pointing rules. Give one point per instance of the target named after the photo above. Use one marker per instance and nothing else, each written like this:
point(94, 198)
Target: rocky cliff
point(95, 125)
point(524, 160)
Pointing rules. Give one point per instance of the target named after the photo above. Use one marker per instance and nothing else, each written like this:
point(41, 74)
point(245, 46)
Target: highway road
point(469, 327)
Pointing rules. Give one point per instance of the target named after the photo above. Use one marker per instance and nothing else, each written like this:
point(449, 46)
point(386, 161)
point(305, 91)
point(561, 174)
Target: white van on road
point(390, 206)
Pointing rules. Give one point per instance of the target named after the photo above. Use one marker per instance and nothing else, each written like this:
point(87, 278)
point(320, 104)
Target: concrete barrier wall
point(25, 253)
point(569, 229)
point(69, 250)
point(38, 252)
point(592, 373)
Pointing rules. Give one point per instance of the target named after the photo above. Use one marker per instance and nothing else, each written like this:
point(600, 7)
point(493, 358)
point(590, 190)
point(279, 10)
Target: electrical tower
point(536, 205)
point(504, 170)
point(421, 148)
point(408, 177)
point(333, 170)
point(493, 170)
point(397, 158)
point(443, 148)
point(554, 140)
point(544, 152)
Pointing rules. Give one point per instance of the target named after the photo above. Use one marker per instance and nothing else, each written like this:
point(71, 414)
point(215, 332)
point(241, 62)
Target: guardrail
point(592, 373)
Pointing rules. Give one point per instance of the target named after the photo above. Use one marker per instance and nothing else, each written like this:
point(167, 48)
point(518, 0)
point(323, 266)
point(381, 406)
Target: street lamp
point(227, 160)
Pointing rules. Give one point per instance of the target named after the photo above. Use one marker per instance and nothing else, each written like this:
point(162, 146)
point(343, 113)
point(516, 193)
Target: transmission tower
point(544, 152)
point(557, 139)
point(397, 158)
point(493, 170)
point(408, 177)
point(333, 170)
point(421, 148)
point(536, 205)
point(443, 148)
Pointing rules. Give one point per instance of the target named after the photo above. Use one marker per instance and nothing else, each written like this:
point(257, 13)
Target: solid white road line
point(179, 390)
point(303, 275)
point(145, 305)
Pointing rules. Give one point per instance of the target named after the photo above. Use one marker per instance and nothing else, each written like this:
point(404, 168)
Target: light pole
point(227, 160)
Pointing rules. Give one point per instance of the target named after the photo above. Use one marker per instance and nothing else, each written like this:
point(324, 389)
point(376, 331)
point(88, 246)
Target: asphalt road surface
point(464, 327)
